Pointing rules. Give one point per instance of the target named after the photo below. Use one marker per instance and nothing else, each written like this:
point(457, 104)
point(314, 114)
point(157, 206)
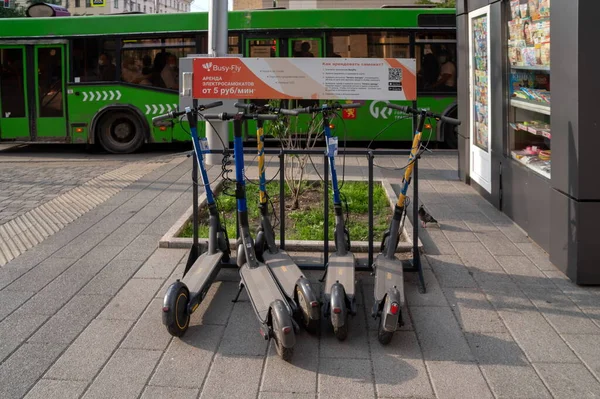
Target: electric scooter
point(269, 302)
point(184, 296)
point(388, 270)
point(290, 278)
point(340, 284)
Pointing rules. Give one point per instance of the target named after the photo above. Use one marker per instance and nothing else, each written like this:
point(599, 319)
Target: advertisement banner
point(305, 78)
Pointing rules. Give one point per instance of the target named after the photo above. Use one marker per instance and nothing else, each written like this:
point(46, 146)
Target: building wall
point(83, 7)
point(311, 4)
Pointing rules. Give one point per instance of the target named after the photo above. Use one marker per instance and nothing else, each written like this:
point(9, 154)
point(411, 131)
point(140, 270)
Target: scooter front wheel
point(175, 309)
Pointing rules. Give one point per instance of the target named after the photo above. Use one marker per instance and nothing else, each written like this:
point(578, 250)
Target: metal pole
point(370, 157)
point(326, 216)
point(282, 200)
point(218, 38)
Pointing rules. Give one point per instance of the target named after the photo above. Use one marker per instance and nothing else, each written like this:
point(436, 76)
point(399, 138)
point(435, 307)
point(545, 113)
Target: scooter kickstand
point(324, 275)
point(234, 300)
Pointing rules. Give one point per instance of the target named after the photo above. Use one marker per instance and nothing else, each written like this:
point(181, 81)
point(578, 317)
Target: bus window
point(305, 48)
point(154, 62)
point(93, 60)
point(50, 82)
point(12, 94)
point(376, 44)
point(436, 62)
point(234, 45)
point(262, 48)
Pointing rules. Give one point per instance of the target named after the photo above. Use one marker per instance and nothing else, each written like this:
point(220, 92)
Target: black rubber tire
point(450, 135)
point(341, 333)
point(384, 337)
point(311, 325)
point(120, 132)
point(178, 305)
point(285, 353)
point(260, 244)
point(224, 247)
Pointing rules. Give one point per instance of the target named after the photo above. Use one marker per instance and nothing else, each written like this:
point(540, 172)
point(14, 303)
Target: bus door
point(49, 84)
point(32, 86)
point(14, 118)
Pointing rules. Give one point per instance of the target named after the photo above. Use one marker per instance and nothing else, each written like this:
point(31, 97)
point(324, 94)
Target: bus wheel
point(451, 136)
point(120, 133)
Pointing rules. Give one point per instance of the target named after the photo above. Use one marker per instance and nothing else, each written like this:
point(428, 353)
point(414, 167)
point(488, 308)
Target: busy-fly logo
point(207, 66)
point(210, 67)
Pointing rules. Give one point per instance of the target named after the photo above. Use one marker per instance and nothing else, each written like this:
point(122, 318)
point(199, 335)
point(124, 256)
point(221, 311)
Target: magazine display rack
point(530, 132)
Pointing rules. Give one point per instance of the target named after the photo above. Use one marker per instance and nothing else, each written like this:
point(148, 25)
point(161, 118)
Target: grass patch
point(305, 223)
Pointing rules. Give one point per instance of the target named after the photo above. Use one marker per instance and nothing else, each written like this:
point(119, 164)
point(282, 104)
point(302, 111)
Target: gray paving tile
point(101, 254)
point(587, 348)
point(473, 311)
point(297, 376)
point(398, 368)
point(90, 351)
point(41, 275)
point(177, 274)
point(169, 393)
point(536, 337)
point(131, 301)
point(52, 297)
point(65, 325)
point(80, 246)
point(345, 378)
point(16, 328)
point(33, 256)
point(112, 277)
point(242, 337)
point(52, 389)
point(124, 375)
point(285, 395)
point(436, 243)
point(475, 255)
point(25, 366)
point(149, 332)
point(197, 348)
point(451, 272)
point(458, 231)
point(513, 232)
point(354, 347)
point(537, 255)
point(505, 366)
point(477, 221)
point(568, 380)
point(217, 304)
point(126, 233)
point(140, 248)
point(561, 312)
point(11, 300)
point(433, 295)
point(8, 275)
point(162, 263)
point(444, 377)
point(497, 243)
point(245, 371)
point(523, 271)
point(440, 335)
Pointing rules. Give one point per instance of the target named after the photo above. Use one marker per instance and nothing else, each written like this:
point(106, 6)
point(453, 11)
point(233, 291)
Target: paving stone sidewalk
point(81, 312)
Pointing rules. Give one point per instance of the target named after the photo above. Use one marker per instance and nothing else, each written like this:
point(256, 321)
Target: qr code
point(395, 74)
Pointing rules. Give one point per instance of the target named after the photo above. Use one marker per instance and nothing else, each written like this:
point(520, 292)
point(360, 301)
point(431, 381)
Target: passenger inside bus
point(106, 70)
point(170, 73)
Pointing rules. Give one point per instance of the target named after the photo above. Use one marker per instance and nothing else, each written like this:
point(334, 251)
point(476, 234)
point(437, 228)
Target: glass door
point(49, 62)
point(14, 118)
point(479, 69)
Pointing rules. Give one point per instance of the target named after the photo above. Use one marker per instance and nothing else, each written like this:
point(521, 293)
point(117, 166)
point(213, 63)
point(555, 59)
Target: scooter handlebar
point(170, 115)
point(409, 110)
point(229, 116)
point(210, 105)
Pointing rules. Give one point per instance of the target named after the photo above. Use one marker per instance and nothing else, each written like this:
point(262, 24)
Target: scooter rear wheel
point(311, 325)
point(176, 301)
point(384, 337)
point(341, 333)
point(277, 325)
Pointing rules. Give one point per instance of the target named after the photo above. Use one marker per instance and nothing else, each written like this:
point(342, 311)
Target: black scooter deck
point(341, 269)
point(284, 269)
point(389, 273)
point(203, 271)
point(261, 288)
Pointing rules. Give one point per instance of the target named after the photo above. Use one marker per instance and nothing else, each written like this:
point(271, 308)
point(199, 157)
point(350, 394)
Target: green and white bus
point(101, 79)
